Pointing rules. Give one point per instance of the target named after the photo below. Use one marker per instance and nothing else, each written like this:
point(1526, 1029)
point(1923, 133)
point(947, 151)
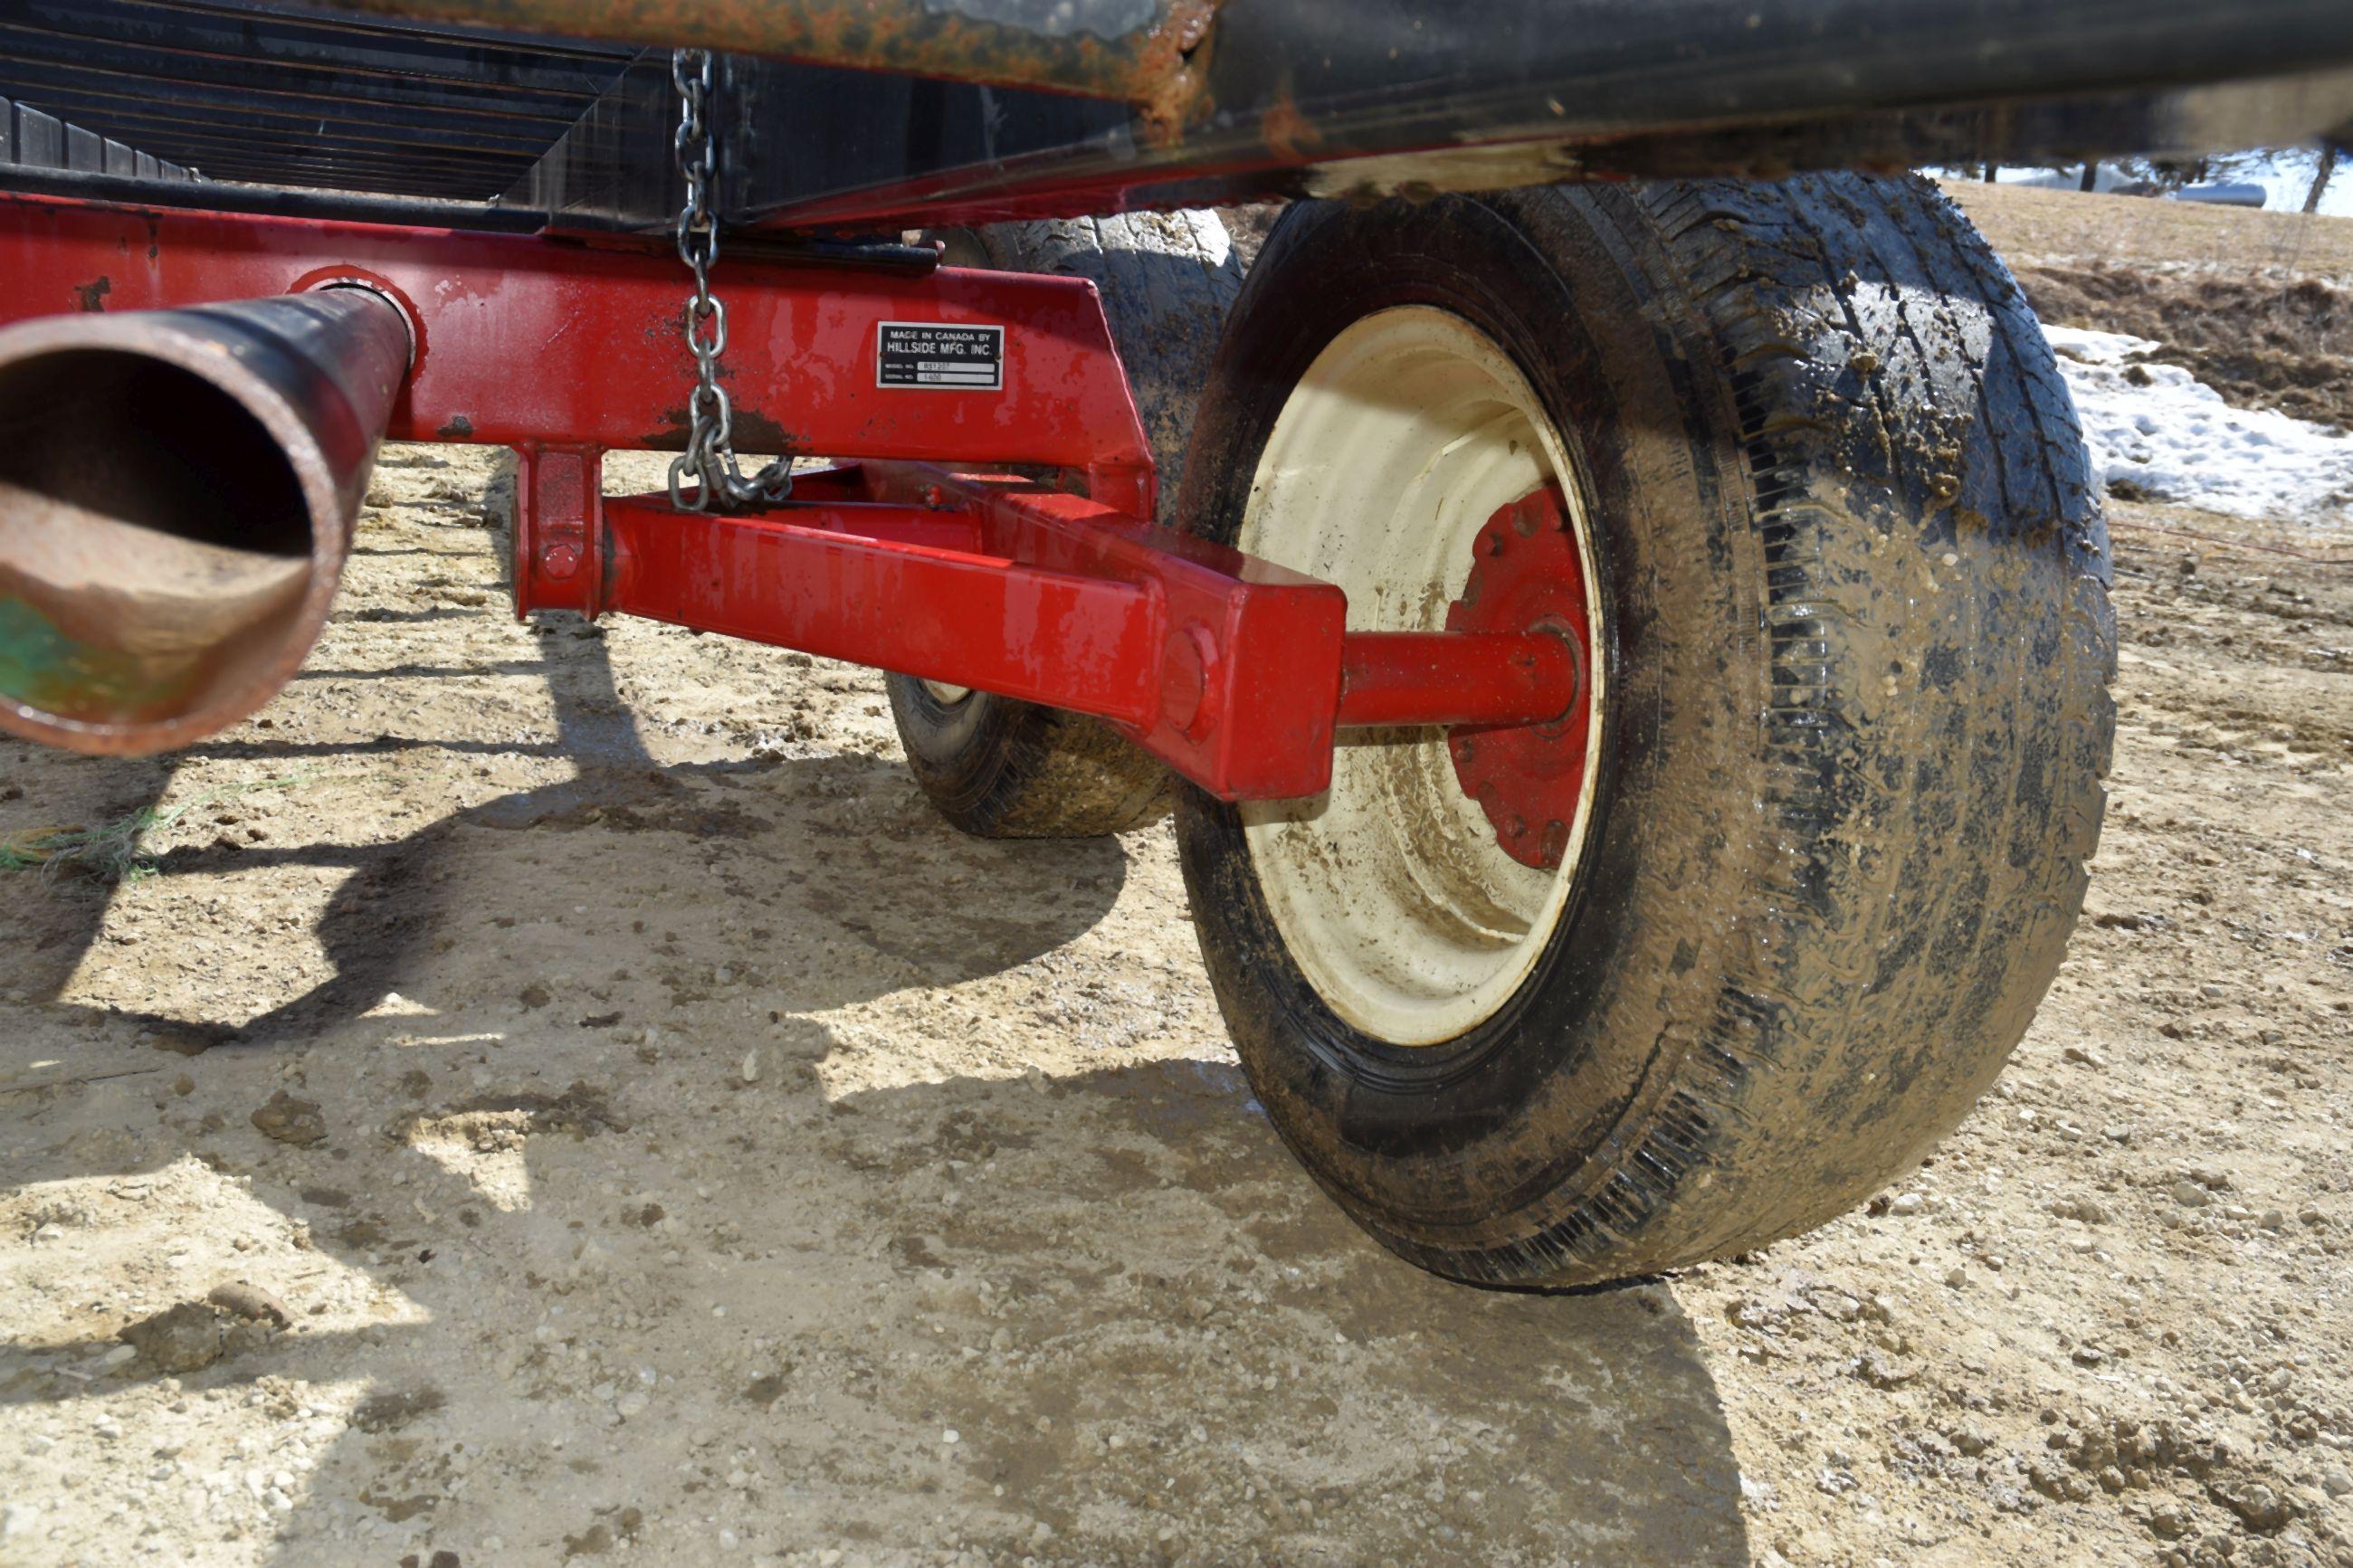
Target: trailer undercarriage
point(1632, 636)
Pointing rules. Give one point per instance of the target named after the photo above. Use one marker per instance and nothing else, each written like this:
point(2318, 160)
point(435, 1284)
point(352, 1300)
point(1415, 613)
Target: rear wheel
point(1717, 953)
point(997, 768)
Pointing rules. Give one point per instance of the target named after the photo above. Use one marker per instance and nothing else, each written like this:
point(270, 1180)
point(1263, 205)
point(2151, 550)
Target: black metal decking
point(276, 96)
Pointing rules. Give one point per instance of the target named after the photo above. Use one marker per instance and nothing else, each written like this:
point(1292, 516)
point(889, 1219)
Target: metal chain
point(709, 456)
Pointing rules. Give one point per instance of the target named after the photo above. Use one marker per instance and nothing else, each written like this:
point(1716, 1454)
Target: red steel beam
point(1234, 671)
point(1072, 641)
point(524, 341)
point(1227, 667)
point(1247, 654)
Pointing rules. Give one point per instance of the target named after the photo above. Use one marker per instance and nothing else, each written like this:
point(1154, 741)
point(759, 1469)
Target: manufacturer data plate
point(937, 356)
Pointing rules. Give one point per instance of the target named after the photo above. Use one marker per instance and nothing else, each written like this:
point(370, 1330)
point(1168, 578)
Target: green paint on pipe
point(49, 672)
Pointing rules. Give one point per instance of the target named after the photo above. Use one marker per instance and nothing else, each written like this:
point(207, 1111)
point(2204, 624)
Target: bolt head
point(1186, 693)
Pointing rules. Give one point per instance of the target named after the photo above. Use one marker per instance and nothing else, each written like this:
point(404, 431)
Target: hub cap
point(1526, 576)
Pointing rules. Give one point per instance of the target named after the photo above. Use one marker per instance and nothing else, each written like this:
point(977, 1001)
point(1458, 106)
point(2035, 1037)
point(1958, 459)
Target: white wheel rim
point(1390, 891)
point(945, 695)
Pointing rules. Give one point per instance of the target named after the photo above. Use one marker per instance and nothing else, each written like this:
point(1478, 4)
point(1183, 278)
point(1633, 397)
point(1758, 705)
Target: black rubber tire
point(996, 768)
point(1854, 585)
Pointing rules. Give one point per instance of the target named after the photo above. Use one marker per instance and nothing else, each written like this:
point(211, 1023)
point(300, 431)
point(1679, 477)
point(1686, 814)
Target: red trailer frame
point(1235, 672)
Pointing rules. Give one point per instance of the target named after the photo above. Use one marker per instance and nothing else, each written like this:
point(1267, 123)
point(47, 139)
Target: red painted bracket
point(559, 534)
point(1227, 667)
point(1234, 671)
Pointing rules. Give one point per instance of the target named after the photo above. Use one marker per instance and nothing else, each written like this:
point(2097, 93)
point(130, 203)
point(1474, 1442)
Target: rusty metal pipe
point(1145, 52)
point(177, 491)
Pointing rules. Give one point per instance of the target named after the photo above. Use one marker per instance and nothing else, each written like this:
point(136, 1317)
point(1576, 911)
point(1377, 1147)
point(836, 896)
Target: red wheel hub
point(1527, 575)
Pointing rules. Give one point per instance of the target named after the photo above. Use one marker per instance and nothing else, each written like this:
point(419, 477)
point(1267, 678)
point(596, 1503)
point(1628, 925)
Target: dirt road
point(665, 1140)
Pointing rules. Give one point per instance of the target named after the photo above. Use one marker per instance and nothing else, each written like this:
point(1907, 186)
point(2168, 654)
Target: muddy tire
point(1001, 769)
point(1849, 645)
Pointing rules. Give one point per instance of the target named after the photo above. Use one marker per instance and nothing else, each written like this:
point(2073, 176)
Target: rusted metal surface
point(1387, 98)
point(1145, 52)
point(177, 496)
point(871, 114)
point(1527, 575)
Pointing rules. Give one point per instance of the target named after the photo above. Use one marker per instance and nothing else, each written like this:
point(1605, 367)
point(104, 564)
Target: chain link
point(709, 459)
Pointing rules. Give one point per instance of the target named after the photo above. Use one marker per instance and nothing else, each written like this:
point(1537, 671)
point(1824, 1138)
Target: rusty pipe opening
point(177, 491)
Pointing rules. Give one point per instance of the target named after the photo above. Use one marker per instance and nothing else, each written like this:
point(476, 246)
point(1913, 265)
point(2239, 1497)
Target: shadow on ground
point(559, 1286)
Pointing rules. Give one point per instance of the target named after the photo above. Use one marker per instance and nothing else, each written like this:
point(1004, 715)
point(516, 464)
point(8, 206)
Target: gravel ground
point(540, 1093)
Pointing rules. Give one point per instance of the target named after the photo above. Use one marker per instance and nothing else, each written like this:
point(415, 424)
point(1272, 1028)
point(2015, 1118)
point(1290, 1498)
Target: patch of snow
point(2160, 428)
point(2287, 178)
